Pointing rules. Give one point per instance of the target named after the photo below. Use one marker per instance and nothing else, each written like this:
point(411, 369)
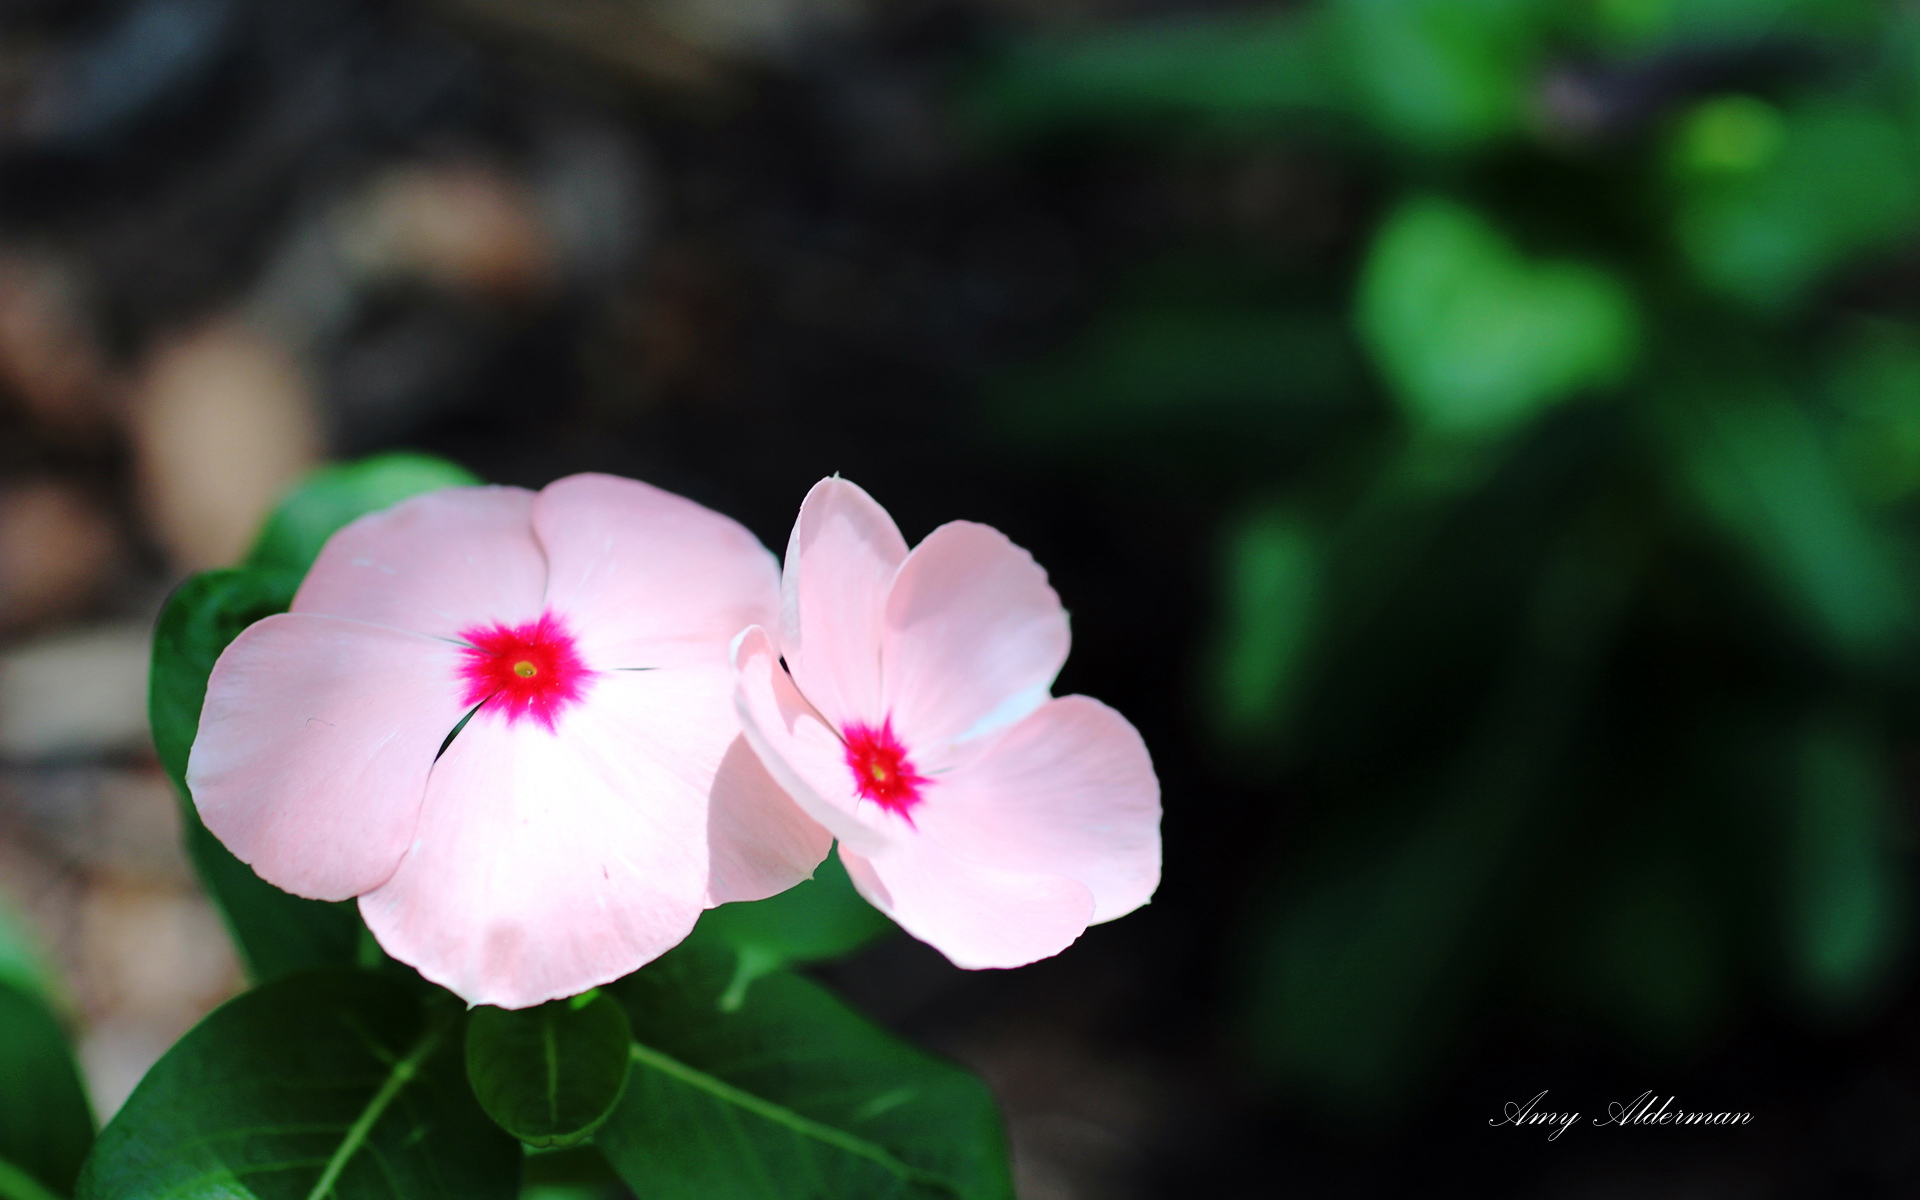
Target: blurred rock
point(224, 421)
point(595, 193)
point(92, 856)
point(771, 29)
point(153, 962)
point(123, 821)
point(49, 357)
point(115, 71)
point(1078, 1123)
point(154, 950)
point(463, 226)
point(57, 549)
point(79, 693)
point(613, 34)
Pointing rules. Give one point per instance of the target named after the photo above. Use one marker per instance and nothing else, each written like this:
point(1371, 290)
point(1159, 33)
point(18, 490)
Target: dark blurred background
point(1478, 442)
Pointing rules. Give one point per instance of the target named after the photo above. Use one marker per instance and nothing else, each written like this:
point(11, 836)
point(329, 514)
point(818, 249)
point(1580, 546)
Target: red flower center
point(881, 770)
point(528, 670)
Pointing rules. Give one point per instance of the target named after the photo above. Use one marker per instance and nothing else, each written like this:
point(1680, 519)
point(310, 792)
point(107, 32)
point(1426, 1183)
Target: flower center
point(882, 772)
point(523, 671)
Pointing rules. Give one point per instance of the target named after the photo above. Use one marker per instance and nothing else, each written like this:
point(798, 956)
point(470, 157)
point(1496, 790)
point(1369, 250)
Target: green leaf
point(1476, 338)
point(1220, 377)
point(277, 933)
point(573, 1173)
point(1437, 74)
point(819, 919)
point(46, 1124)
point(1765, 475)
point(1844, 890)
point(1646, 25)
point(336, 1083)
point(1441, 73)
point(549, 1075)
point(1648, 954)
point(1875, 385)
point(1241, 70)
point(792, 1095)
point(1835, 180)
point(21, 962)
point(1271, 589)
point(332, 496)
point(1363, 964)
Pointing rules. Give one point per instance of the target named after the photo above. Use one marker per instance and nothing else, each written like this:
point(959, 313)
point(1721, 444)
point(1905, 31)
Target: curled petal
point(1068, 791)
point(647, 578)
point(799, 749)
point(971, 626)
point(977, 916)
point(315, 743)
point(840, 562)
point(436, 564)
point(549, 862)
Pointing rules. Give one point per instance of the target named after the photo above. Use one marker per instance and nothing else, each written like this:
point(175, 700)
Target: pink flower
point(598, 795)
point(913, 721)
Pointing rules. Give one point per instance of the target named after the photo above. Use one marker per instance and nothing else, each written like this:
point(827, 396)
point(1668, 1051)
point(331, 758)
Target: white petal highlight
point(546, 863)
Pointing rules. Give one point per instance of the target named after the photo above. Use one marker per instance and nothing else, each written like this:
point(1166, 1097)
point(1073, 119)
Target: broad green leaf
point(791, 1095)
point(1441, 73)
point(1647, 955)
point(1875, 385)
point(1476, 338)
point(1237, 70)
point(334, 495)
point(549, 1075)
point(1361, 967)
point(1729, 136)
point(277, 933)
point(21, 962)
point(1837, 180)
point(1765, 474)
point(1223, 378)
point(819, 919)
point(46, 1124)
point(1271, 592)
point(1844, 888)
point(1645, 25)
point(1437, 74)
point(572, 1173)
point(334, 1083)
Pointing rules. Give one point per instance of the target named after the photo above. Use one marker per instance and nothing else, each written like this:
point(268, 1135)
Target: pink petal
point(971, 625)
point(799, 749)
point(434, 564)
point(1068, 791)
point(840, 561)
point(546, 863)
point(646, 578)
point(314, 747)
point(977, 916)
point(759, 841)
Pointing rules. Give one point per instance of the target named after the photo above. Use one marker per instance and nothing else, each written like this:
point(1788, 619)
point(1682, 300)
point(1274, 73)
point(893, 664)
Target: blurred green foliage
point(1476, 339)
point(1569, 494)
point(46, 1122)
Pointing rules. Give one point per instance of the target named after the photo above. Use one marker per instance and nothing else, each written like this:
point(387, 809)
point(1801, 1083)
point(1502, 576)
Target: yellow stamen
point(525, 669)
